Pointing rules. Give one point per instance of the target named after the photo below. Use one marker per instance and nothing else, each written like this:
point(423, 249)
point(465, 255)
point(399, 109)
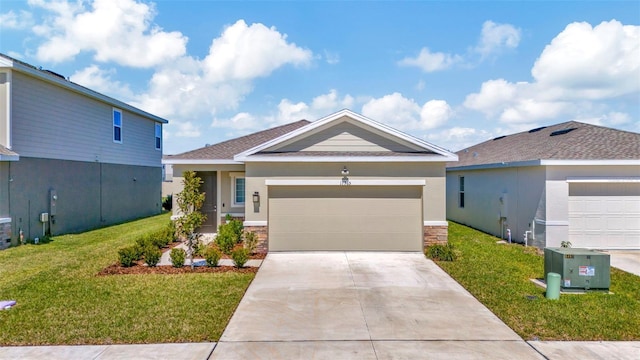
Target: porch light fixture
point(345, 171)
point(256, 197)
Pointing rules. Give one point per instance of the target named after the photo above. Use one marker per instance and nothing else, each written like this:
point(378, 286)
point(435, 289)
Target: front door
point(209, 188)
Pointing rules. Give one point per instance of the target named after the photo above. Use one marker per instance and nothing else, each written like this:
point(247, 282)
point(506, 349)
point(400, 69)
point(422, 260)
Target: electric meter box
point(579, 269)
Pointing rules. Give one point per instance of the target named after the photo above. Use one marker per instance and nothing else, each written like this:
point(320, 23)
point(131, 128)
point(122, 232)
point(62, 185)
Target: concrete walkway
point(339, 305)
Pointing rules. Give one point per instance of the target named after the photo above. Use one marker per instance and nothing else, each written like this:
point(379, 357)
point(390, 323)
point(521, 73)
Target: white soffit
point(340, 182)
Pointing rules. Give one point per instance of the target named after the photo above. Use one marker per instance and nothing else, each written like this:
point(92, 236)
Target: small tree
point(190, 201)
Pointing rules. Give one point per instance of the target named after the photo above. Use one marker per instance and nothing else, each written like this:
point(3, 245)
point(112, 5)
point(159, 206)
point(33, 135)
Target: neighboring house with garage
point(71, 159)
point(343, 182)
point(567, 182)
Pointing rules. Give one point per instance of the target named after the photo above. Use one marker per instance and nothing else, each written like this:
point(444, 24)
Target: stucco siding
point(521, 190)
point(433, 174)
point(55, 123)
point(89, 194)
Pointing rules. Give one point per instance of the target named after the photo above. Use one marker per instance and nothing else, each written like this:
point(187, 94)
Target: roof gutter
point(546, 163)
point(200, 162)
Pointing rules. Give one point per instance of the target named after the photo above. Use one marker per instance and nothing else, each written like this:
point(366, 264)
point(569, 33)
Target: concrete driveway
point(345, 305)
point(627, 260)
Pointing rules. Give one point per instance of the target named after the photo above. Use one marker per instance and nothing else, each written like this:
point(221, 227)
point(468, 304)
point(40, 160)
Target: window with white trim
point(461, 191)
point(117, 126)
point(158, 131)
point(237, 189)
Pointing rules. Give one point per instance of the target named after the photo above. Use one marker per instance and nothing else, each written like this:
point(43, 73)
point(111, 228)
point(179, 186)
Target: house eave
point(200, 162)
point(9, 157)
point(325, 159)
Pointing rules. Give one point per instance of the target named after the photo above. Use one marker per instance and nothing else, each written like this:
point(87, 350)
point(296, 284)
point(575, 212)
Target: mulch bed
point(141, 268)
point(117, 269)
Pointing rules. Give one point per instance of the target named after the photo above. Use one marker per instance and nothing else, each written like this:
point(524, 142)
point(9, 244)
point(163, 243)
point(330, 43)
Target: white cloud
point(331, 102)
point(581, 66)
point(119, 31)
point(332, 58)
point(591, 62)
point(16, 21)
point(187, 129)
point(95, 78)
point(246, 52)
point(286, 111)
point(435, 113)
point(191, 89)
point(458, 138)
point(405, 114)
point(431, 61)
point(496, 37)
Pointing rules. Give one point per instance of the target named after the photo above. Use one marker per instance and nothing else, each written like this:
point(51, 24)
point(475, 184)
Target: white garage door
point(604, 215)
point(386, 218)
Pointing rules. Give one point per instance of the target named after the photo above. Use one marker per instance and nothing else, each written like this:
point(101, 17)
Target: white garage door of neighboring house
point(345, 218)
point(604, 215)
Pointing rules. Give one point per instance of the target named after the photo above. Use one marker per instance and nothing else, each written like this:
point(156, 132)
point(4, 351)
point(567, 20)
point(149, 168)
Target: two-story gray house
point(71, 159)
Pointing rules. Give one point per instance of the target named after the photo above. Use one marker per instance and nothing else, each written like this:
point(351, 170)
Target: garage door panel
point(604, 215)
point(335, 218)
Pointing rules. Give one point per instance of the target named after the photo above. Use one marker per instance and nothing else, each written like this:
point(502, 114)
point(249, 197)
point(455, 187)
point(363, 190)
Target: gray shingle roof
point(571, 140)
point(227, 149)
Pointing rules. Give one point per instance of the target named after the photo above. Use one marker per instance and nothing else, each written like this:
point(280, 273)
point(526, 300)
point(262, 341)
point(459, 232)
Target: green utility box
point(580, 269)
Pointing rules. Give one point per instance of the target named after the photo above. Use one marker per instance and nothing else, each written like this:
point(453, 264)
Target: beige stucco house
point(343, 182)
point(71, 158)
point(567, 182)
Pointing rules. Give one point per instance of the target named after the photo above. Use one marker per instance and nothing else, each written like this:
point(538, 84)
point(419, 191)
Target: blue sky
point(451, 73)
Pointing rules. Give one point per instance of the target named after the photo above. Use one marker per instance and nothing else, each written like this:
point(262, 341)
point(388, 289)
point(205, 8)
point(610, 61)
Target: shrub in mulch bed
point(116, 269)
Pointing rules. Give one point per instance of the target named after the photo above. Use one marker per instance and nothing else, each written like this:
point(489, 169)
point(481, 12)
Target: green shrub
point(226, 239)
point(212, 256)
point(236, 228)
point(250, 241)
point(240, 257)
point(128, 256)
point(199, 249)
point(441, 252)
point(177, 257)
point(152, 255)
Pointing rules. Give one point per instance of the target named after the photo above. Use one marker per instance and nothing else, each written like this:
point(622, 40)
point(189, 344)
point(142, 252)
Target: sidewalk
point(184, 351)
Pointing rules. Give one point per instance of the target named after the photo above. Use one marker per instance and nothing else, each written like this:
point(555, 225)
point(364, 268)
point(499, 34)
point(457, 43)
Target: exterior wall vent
point(537, 129)
point(562, 132)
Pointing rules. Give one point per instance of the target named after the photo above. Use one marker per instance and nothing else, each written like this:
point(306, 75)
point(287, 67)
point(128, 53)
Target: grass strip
point(61, 300)
point(498, 276)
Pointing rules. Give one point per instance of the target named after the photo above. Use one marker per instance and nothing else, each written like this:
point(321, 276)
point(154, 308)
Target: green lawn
point(62, 301)
point(498, 275)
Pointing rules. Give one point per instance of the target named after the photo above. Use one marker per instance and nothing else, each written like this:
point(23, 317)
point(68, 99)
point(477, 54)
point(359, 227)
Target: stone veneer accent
point(263, 238)
point(223, 219)
point(5, 234)
point(437, 234)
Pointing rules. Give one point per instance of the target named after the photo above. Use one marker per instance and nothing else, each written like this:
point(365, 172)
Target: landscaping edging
point(116, 269)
